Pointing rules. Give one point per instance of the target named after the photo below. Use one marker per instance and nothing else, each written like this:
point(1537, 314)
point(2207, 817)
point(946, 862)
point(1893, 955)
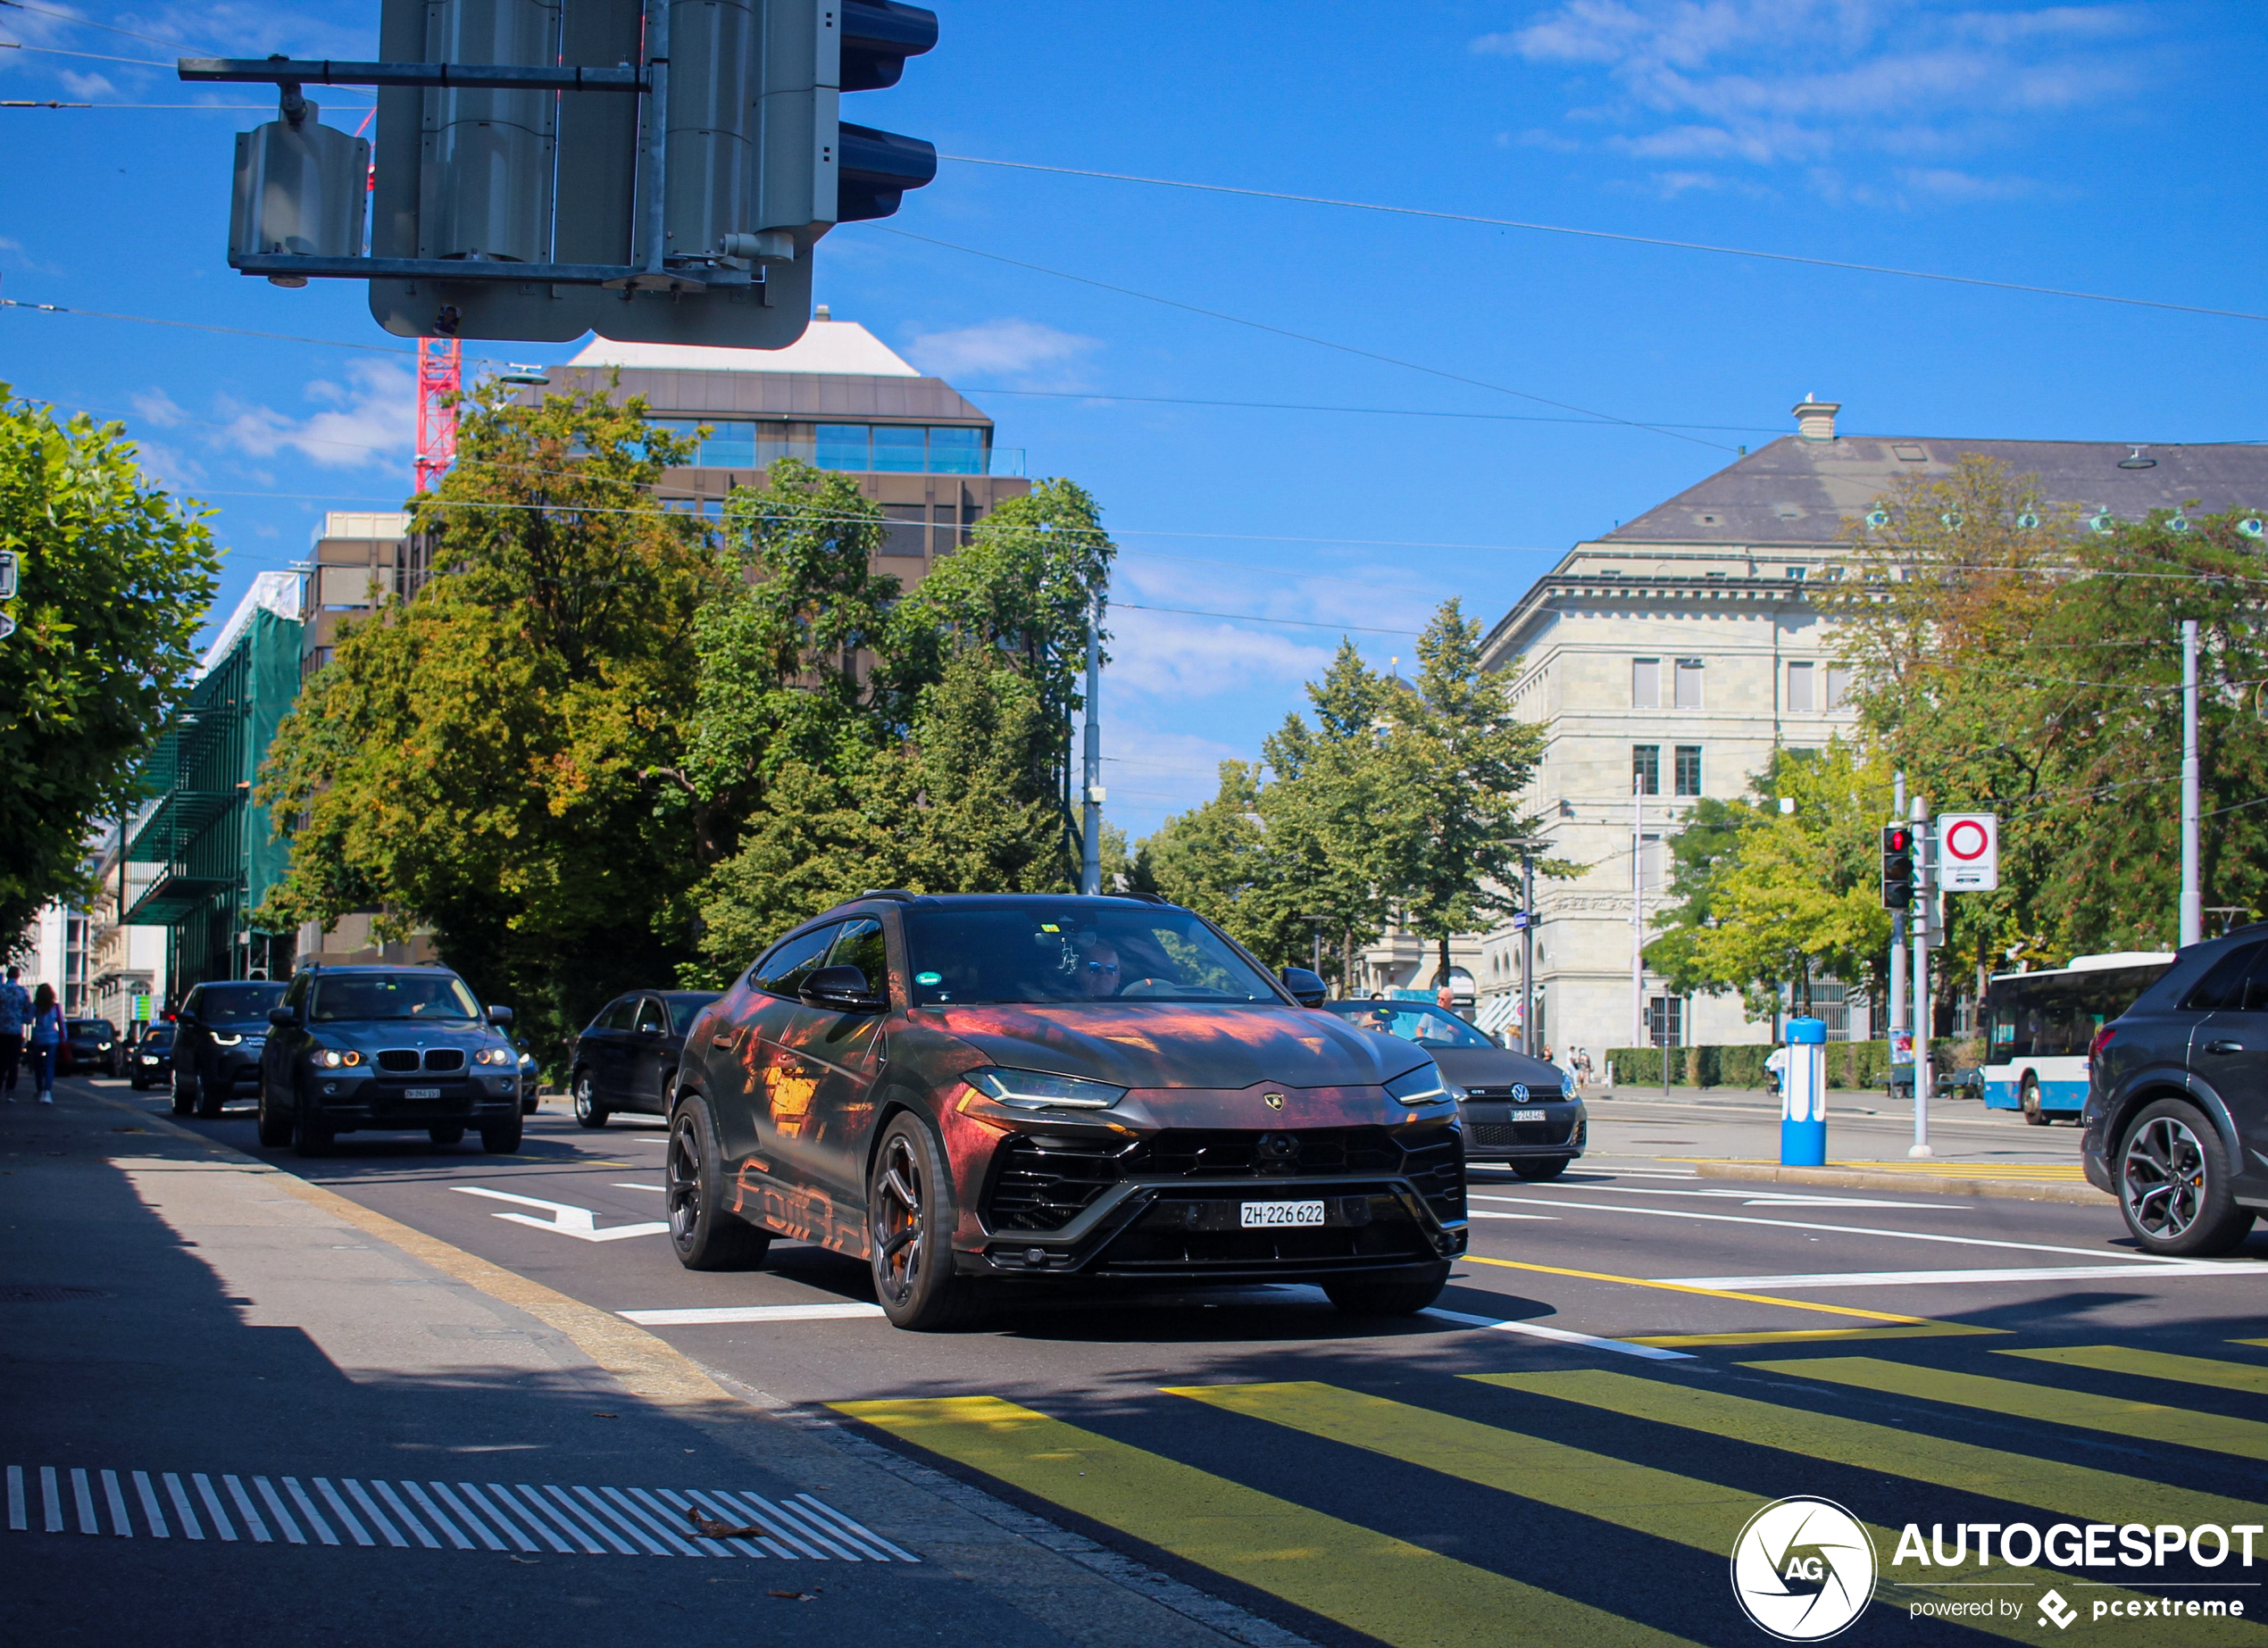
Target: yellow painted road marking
point(1399, 1592)
point(2183, 1427)
point(1687, 1287)
point(2078, 1491)
point(1682, 1510)
point(1932, 1169)
point(2248, 1377)
point(1800, 1336)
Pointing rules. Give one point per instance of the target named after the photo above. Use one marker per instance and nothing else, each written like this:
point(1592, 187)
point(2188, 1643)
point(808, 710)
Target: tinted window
point(685, 1009)
point(782, 972)
point(159, 1038)
point(616, 1015)
point(424, 997)
point(1058, 950)
point(860, 944)
point(296, 996)
point(2223, 988)
point(650, 1020)
point(234, 1004)
point(1413, 1021)
point(2056, 1014)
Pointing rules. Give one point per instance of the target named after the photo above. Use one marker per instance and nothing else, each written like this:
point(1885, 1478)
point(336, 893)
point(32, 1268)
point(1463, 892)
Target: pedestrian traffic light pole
point(1638, 909)
point(2191, 919)
point(1924, 893)
point(1527, 948)
point(1897, 1019)
point(1090, 867)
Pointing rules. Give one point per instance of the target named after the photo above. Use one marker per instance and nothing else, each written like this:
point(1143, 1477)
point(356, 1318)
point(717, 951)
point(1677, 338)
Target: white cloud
point(1168, 656)
point(156, 407)
point(86, 84)
point(372, 421)
point(1011, 349)
point(1773, 82)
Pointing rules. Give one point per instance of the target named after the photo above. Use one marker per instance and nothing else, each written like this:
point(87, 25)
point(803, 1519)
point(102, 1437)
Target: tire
point(311, 1139)
point(1540, 1167)
point(184, 1097)
point(2028, 1102)
point(910, 1218)
point(707, 1235)
point(589, 1111)
point(208, 1104)
point(275, 1130)
point(2175, 1184)
point(442, 1138)
point(1359, 1298)
point(528, 1107)
point(499, 1138)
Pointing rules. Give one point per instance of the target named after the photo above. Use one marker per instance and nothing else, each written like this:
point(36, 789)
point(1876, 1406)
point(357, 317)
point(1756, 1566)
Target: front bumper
point(353, 1104)
point(1491, 1135)
point(236, 1071)
point(2092, 1159)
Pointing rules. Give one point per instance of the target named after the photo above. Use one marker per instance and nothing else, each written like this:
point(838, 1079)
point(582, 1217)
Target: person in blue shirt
point(46, 1041)
point(15, 1008)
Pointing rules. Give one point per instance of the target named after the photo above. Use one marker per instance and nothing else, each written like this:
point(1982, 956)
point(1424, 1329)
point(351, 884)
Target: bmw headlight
point(1422, 1085)
point(494, 1055)
point(335, 1058)
point(1042, 1090)
point(222, 1038)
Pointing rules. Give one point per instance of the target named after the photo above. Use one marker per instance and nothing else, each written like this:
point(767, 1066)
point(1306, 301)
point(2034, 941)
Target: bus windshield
point(2055, 1015)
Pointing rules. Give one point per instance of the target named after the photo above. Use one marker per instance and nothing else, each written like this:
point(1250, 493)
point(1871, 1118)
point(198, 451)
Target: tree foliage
point(114, 576)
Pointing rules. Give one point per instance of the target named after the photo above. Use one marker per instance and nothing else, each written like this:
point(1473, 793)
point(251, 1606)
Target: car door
point(188, 1041)
point(607, 1048)
point(284, 1044)
point(648, 1056)
point(846, 1050)
point(764, 1090)
point(2229, 1048)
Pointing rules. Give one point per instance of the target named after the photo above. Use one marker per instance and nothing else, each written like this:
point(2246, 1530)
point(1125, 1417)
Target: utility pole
point(1897, 1020)
point(2192, 915)
point(1638, 909)
point(1090, 869)
point(1527, 948)
point(1925, 866)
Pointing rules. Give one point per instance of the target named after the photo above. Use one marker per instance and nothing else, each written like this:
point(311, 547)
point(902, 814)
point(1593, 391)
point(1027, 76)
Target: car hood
point(1177, 1044)
point(370, 1033)
point(1496, 1066)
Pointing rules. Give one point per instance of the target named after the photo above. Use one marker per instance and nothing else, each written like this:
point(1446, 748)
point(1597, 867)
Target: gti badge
point(1273, 1101)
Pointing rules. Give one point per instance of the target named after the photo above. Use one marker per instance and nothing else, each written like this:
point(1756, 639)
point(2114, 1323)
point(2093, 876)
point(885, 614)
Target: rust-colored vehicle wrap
point(974, 1088)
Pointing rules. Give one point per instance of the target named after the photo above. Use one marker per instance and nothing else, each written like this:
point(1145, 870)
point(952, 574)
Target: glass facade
point(888, 448)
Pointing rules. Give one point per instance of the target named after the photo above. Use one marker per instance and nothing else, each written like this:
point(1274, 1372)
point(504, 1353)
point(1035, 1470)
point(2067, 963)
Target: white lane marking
point(1792, 1223)
point(1781, 1198)
point(657, 1189)
point(1482, 1212)
point(120, 1523)
point(17, 1514)
point(1560, 1335)
point(698, 1316)
point(1930, 1279)
point(579, 1222)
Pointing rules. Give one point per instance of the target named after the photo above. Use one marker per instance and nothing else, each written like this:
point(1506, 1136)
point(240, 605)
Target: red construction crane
point(440, 375)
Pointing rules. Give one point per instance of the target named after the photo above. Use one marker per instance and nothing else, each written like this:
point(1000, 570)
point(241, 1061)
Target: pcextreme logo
point(1803, 1568)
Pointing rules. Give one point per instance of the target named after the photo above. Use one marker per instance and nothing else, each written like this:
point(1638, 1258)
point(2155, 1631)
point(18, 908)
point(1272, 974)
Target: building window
point(1646, 683)
point(1838, 687)
point(900, 449)
point(1689, 684)
point(1666, 1020)
point(1645, 768)
point(1689, 773)
point(1801, 695)
point(1794, 575)
point(1654, 863)
point(956, 451)
point(903, 530)
point(843, 446)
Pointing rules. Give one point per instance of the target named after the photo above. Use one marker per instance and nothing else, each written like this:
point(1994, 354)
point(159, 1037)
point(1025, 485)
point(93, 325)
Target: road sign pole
point(1528, 951)
point(1897, 1024)
point(1925, 860)
point(2191, 915)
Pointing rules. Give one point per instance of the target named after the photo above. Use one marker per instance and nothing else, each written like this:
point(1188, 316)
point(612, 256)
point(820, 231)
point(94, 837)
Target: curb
point(1919, 1183)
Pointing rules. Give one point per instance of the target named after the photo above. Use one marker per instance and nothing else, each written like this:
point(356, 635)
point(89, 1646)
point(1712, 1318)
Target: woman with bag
point(45, 1034)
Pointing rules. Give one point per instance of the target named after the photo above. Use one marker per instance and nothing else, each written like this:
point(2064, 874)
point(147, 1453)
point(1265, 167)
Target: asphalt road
point(1630, 1362)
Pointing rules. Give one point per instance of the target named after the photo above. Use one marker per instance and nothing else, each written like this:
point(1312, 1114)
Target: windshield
point(238, 1003)
point(161, 1037)
point(684, 1009)
point(2056, 1014)
point(1413, 1021)
point(1071, 951)
point(393, 996)
point(98, 1028)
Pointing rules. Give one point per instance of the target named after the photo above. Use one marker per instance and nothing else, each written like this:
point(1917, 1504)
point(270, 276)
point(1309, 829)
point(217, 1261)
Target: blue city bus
point(2040, 1024)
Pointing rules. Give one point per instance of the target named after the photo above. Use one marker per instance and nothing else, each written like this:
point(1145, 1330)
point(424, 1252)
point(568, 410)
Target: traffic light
point(654, 171)
point(1897, 866)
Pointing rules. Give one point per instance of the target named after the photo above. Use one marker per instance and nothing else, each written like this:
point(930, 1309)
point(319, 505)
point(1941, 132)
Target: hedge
point(1849, 1064)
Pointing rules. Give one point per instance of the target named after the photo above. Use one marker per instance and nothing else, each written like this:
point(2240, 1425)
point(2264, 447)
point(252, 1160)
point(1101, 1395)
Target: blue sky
point(2108, 148)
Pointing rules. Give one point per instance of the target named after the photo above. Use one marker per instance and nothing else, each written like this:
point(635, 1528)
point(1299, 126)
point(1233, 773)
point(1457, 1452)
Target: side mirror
point(500, 1016)
point(842, 990)
point(1307, 989)
point(283, 1018)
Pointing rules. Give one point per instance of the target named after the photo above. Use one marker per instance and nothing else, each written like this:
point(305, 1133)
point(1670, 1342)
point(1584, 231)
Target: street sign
point(1968, 852)
point(7, 625)
point(1519, 920)
point(7, 574)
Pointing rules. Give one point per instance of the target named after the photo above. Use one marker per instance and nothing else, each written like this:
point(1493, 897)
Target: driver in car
point(1099, 968)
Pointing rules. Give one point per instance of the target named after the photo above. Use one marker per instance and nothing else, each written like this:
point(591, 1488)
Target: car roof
point(360, 970)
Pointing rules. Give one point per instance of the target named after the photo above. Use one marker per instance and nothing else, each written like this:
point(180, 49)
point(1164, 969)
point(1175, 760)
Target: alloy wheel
point(583, 1097)
point(2163, 1176)
point(684, 1182)
point(897, 1220)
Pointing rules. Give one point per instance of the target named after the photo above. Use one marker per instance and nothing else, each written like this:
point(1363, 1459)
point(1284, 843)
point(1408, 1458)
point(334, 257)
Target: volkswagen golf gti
point(976, 1089)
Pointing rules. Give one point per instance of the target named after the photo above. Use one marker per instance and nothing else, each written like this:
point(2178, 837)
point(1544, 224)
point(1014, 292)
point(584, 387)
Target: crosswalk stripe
point(2186, 1428)
point(594, 1520)
point(1370, 1582)
point(1802, 1335)
point(2079, 1491)
point(1687, 1287)
point(1682, 1510)
point(2248, 1377)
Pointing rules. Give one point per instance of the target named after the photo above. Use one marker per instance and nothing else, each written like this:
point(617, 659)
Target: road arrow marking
point(579, 1222)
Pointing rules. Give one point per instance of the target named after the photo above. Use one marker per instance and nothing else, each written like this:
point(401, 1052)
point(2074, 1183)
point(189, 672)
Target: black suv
point(1037, 1088)
point(2177, 1100)
point(388, 1048)
point(221, 1030)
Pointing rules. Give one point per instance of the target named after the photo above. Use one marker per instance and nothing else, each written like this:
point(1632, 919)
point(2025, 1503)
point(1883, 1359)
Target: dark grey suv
point(2177, 1100)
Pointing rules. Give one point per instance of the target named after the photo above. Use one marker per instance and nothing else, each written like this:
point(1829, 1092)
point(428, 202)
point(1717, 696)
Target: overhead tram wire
point(1305, 338)
point(1367, 412)
point(1254, 618)
point(1604, 233)
point(131, 34)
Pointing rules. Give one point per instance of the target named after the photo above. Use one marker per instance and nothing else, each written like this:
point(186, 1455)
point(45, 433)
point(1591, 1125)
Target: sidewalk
point(238, 1409)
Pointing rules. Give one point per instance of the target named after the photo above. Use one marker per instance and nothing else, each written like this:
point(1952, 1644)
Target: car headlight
point(102, 1046)
point(332, 1058)
point(1567, 1086)
point(494, 1055)
point(149, 1058)
point(1040, 1090)
point(1422, 1085)
point(222, 1039)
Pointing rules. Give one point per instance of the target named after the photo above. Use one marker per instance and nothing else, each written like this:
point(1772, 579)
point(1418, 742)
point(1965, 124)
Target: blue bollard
point(1803, 1096)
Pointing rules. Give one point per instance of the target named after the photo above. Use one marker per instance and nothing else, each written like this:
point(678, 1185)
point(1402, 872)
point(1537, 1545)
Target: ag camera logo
point(1803, 1568)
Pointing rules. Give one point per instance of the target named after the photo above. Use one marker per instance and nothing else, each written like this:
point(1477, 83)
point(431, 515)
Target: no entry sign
point(1968, 852)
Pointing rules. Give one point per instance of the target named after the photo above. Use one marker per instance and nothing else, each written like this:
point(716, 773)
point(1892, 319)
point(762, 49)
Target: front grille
point(1042, 1182)
point(397, 1059)
point(1500, 1135)
point(444, 1059)
point(407, 1061)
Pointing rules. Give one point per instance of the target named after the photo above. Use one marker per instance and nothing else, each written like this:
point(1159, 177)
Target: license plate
point(1529, 1115)
point(421, 1092)
point(1263, 1214)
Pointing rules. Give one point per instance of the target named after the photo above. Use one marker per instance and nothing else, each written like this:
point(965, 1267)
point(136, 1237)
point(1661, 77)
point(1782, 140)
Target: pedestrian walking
point(15, 1008)
point(1582, 1068)
point(46, 1041)
point(1776, 1069)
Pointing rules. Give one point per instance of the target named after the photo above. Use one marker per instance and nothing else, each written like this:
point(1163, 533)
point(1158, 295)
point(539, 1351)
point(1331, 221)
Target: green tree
point(480, 759)
point(115, 577)
point(1214, 860)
